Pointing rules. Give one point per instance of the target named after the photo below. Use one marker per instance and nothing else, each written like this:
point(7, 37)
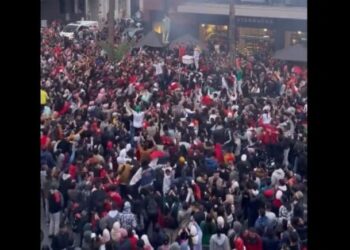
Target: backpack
point(174, 209)
point(152, 207)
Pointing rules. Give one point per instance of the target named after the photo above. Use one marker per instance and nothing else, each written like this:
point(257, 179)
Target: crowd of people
point(150, 153)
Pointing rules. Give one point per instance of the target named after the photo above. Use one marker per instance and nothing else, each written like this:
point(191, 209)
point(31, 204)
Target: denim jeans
point(54, 223)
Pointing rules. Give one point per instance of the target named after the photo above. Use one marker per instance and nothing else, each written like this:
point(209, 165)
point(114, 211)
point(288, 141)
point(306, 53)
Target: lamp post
point(232, 34)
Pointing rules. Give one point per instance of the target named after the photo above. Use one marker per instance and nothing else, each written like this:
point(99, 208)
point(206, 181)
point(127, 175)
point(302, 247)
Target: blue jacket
point(211, 164)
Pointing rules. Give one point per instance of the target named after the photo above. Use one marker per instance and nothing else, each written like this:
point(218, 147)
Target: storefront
point(295, 37)
point(253, 39)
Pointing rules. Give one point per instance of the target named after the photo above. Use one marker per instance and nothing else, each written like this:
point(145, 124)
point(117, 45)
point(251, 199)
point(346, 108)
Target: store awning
point(152, 39)
point(296, 53)
point(187, 40)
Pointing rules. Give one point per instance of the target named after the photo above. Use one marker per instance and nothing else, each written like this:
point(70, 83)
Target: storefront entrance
point(251, 40)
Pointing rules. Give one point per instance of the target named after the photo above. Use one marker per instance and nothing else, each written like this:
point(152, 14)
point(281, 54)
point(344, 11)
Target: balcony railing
point(292, 3)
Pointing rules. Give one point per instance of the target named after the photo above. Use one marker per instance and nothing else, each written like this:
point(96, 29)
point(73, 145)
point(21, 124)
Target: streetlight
point(232, 37)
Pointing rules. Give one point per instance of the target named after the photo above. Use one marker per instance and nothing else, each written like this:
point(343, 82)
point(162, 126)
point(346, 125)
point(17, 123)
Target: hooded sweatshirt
point(117, 233)
point(109, 220)
point(219, 242)
point(127, 218)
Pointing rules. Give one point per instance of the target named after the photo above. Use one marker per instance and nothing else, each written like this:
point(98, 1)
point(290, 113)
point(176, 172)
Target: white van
point(69, 29)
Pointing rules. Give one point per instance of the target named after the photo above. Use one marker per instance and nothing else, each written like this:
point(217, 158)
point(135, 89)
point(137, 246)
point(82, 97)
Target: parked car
point(69, 30)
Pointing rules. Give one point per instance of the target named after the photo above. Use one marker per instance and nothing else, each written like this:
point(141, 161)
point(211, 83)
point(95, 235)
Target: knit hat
point(116, 225)
point(106, 236)
point(279, 194)
point(299, 195)
point(145, 240)
point(138, 108)
point(127, 205)
point(87, 236)
point(182, 160)
point(220, 221)
point(175, 246)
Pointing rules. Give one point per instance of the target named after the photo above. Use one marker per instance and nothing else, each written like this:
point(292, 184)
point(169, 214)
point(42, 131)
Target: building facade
point(279, 22)
point(97, 10)
point(74, 10)
point(64, 10)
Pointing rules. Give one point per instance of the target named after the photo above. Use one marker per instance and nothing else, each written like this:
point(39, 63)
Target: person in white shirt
point(159, 68)
point(266, 117)
point(123, 157)
point(196, 55)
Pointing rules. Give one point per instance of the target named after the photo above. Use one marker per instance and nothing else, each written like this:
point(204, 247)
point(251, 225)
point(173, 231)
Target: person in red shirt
point(207, 101)
point(252, 240)
point(182, 51)
point(73, 171)
point(44, 140)
point(132, 239)
point(238, 243)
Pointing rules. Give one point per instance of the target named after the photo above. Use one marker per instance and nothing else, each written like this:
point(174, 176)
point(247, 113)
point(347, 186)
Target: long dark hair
point(219, 232)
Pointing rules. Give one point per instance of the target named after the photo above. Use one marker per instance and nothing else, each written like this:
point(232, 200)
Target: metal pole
point(232, 34)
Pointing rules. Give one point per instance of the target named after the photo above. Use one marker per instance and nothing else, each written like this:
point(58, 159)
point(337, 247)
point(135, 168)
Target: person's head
point(293, 238)
point(220, 222)
point(208, 219)
point(237, 227)
point(262, 211)
point(166, 240)
point(252, 233)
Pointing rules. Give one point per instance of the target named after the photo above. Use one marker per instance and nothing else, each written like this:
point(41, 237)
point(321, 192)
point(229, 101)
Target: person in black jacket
point(56, 203)
point(63, 240)
point(97, 198)
point(270, 240)
point(66, 183)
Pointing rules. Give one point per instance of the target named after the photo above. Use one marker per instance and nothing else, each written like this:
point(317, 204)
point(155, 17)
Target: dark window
point(72, 5)
point(81, 6)
point(62, 6)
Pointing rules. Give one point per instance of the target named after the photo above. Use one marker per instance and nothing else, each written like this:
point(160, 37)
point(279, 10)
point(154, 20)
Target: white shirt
point(270, 215)
point(159, 68)
point(196, 54)
point(138, 119)
point(266, 118)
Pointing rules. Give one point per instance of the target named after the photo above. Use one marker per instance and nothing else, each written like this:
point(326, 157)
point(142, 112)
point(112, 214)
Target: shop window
point(297, 38)
point(253, 39)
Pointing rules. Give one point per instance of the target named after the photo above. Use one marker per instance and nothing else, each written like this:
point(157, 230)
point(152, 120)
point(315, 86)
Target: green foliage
point(116, 53)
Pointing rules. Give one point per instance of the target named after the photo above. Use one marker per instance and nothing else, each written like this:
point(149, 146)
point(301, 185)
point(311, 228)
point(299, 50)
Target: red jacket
point(206, 100)
point(238, 243)
point(182, 52)
point(197, 192)
point(73, 171)
point(115, 196)
point(218, 153)
point(133, 242)
point(253, 246)
point(43, 141)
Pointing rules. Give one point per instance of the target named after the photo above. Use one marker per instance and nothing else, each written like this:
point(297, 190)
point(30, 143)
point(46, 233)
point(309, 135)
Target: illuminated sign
point(255, 20)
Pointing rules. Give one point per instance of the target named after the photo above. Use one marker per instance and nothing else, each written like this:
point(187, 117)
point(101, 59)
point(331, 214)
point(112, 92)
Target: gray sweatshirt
point(219, 243)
